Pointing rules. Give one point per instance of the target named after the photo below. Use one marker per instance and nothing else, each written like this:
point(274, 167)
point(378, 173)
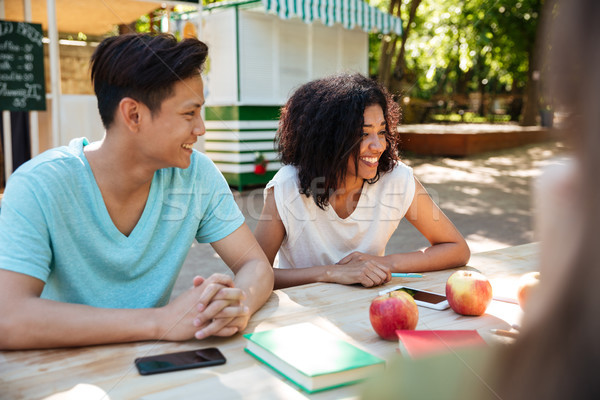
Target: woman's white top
point(320, 237)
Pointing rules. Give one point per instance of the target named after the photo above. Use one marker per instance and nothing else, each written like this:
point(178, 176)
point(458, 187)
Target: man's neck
point(116, 167)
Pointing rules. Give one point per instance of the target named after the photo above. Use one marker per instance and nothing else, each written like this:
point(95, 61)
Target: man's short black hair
point(144, 67)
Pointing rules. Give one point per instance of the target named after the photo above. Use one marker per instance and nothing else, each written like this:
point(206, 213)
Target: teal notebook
point(311, 357)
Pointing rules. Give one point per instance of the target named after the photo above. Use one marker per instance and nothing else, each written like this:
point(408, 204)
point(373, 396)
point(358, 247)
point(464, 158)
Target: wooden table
point(107, 372)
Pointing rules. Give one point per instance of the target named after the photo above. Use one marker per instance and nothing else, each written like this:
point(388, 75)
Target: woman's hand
point(361, 268)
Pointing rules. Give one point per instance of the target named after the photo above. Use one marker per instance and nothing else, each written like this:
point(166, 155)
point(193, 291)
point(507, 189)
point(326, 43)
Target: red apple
point(526, 286)
point(392, 311)
point(468, 292)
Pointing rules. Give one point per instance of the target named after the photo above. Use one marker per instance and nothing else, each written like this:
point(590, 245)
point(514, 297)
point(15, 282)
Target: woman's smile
point(370, 161)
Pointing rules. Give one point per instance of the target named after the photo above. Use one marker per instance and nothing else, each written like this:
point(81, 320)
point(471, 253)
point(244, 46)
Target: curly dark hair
point(321, 126)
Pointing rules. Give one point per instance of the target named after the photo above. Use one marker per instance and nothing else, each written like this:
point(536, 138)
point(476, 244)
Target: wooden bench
point(459, 140)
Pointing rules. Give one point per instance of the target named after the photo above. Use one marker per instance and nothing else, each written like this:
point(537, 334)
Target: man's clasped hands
point(212, 307)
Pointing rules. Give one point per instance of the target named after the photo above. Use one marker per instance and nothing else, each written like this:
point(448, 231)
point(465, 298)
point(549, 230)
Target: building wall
point(219, 33)
point(277, 56)
point(74, 69)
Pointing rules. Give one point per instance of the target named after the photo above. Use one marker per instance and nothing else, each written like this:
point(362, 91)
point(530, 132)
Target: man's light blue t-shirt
point(55, 227)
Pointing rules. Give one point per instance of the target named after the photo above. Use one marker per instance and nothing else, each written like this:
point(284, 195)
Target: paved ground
point(487, 196)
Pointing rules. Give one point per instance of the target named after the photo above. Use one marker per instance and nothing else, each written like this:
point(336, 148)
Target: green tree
point(456, 48)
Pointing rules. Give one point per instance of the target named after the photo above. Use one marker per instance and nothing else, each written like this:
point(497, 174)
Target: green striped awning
point(349, 13)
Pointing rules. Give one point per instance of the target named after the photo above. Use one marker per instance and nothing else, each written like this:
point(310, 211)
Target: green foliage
point(374, 53)
point(259, 158)
point(143, 24)
point(462, 47)
point(469, 117)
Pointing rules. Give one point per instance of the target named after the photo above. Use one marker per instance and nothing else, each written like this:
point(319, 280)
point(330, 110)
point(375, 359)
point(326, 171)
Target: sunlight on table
point(80, 391)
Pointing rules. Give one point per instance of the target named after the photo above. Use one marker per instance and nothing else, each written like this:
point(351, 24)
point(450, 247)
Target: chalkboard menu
point(22, 84)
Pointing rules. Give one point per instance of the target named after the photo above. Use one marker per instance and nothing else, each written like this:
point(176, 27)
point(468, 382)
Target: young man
point(93, 235)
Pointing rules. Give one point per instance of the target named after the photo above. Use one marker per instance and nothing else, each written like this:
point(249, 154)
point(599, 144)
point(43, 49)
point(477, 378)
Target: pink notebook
point(421, 343)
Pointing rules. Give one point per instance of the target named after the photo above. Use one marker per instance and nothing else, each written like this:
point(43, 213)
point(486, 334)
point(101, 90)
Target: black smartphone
point(178, 361)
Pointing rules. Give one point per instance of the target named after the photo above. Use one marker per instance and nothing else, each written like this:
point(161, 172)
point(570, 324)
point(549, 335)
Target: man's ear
point(130, 111)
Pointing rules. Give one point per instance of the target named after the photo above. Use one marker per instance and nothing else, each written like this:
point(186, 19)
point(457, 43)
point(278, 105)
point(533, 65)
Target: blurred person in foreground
point(93, 235)
point(557, 354)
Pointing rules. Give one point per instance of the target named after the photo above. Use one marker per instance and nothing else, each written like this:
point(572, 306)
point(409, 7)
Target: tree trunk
point(388, 48)
point(441, 85)
point(400, 64)
point(481, 108)
point(385, 60)
point(530, 109)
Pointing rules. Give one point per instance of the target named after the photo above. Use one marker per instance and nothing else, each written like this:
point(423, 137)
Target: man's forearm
point(40, 323)
point(256, 280)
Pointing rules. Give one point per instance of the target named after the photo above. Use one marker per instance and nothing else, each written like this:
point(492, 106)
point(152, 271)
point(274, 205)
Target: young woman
point(330, 211)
